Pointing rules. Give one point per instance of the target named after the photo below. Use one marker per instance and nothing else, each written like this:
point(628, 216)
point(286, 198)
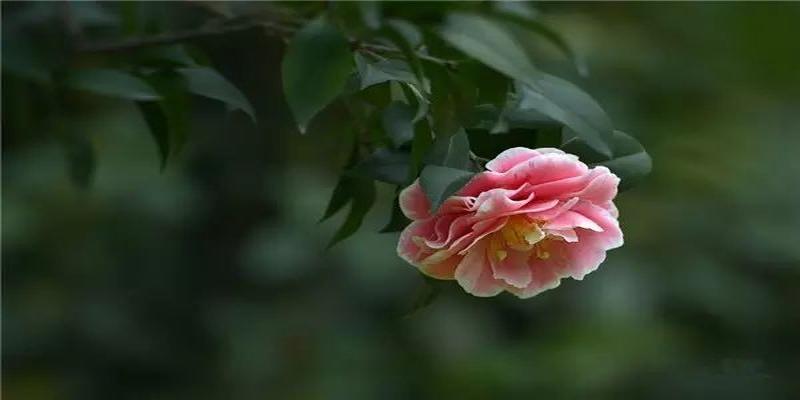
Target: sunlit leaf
point(207, 82)
point(315, 69)
point(110, 82)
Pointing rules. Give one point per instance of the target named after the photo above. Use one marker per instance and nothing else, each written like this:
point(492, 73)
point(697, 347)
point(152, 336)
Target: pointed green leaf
point(397, 220)
point(450, 151)
point(384, 165)
point(207, 82)
point(398, 122)
point(111, 82)
point(630, 161)
point(315, 69)
point(159, 128)
point(363, 197)
point(568, 104)
point(489, 42)
point(373, 73)
point(439, 183)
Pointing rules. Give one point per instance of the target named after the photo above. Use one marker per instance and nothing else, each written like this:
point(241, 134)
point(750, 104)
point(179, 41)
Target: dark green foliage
point(431, 92)
point(315, 68)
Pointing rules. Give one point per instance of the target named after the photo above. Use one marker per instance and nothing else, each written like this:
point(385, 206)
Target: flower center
point(520, 234)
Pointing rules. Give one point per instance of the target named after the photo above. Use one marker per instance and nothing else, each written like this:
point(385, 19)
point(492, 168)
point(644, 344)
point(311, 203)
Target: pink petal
point(443, 270)
point(513, 269)
point(545, 275)
point(474, 273)
point(571, 219)
point(509, 158)
point(414, 202)
point(407, 248)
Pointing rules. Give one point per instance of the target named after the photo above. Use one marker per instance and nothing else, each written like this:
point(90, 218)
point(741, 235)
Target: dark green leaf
point(630, 161)
point(111, 82)
point(159, 128)
point(373, 73)
point(362, 192)
point(398, 122)
point(174, 106)
point(439, 183)
point(397, 220)
point(489, 42)
point(407, 38)
point(341, 193)
point(315, 69)
point(209, 83)
point(568, 104)
point(385, 165)
point(419, 148)
point(527, 19)
point(450, 151)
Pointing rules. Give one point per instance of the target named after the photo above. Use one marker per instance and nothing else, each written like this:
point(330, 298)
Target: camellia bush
point(505, 173)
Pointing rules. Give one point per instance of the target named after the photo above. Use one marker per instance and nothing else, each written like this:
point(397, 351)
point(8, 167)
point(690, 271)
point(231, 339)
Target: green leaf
point(373, 73)
point(362, 193)
point(397, 220)
point(174, 106)
point(439, 183)
point(110, 82)
point(315, 69)
point(207, 82)
point(407, 38)
point(385, 165)
point(159, 128)
point(630, 162)
point(398, 122)
point(419, 148)
point(527, 19)
point(568, 104)
point(489, 42)
point(450, 151)
point(341, 194)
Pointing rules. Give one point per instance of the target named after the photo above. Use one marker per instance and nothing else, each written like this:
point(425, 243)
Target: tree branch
point(224, 27)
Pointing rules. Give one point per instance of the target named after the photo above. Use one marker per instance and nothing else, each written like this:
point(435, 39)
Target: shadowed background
point(210, 279)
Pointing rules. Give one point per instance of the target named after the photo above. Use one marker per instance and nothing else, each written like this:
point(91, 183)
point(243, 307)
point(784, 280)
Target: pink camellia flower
point(534, 217)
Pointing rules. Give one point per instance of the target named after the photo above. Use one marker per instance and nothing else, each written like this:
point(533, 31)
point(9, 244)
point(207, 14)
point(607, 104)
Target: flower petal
point(512, 268)
point(414, 203)
point(475, 275)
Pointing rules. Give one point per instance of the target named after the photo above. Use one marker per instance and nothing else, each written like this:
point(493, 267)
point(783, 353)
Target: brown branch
point(221, 27)
point(176, 37)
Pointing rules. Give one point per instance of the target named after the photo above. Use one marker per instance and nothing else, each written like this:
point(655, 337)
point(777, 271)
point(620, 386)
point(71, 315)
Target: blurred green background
point(210, 280)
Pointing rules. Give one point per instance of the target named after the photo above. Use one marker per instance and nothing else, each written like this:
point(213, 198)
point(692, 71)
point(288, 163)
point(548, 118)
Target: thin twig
point(221, 28)
point(183, 36)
